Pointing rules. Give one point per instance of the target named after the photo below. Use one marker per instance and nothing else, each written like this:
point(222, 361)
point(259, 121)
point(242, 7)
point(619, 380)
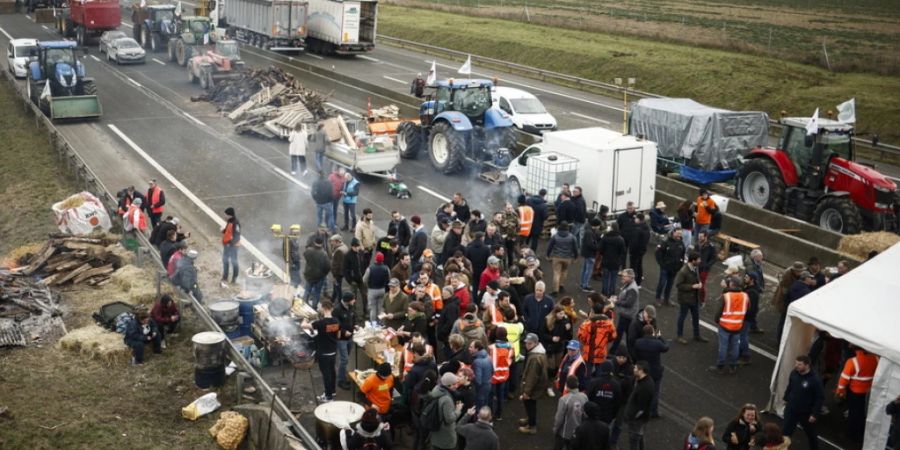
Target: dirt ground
point(57, 399)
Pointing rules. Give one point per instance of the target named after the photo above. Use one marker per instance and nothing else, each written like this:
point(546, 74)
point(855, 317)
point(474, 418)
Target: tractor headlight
point(882, 189)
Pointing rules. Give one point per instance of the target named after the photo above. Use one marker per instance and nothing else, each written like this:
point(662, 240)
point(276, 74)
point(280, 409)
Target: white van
point(526, 111)
point(18, 56)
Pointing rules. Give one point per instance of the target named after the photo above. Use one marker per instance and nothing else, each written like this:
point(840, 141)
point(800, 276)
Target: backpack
point(431, 414)
point(108, 315)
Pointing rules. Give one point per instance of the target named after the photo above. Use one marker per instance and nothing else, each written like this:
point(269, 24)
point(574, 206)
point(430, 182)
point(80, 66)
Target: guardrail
point(91, 183)
point(886, 152)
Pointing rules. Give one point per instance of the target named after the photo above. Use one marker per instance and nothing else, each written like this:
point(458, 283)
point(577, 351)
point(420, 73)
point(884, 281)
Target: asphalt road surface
point(150, 128)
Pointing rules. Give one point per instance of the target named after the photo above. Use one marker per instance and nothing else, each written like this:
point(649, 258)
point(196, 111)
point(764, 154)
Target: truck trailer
point(272, 24)
point(342, 28)
point(611, 168)
point(86, 19)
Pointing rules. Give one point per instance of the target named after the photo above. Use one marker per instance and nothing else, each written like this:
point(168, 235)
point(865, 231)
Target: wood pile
point(21, 296)
point(265, 102)
point(73, 259)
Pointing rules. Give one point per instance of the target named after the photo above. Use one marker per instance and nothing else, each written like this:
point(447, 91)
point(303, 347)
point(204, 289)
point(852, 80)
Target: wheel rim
point(831, 220)
point(401, 142)
point(439, 148)
point(755, 189)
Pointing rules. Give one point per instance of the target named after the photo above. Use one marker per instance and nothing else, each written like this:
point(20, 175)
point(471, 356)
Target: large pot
point(331, 417)
point(246, 300)
point(226, 315)
point(209, 350)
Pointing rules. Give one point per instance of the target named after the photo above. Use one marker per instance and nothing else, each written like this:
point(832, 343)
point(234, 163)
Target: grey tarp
point(705, 138)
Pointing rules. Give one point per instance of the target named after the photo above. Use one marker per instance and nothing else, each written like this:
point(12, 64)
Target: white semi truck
point(612, 169)
point(342, 28)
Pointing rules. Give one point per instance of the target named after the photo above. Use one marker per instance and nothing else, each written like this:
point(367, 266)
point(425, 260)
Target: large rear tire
point(760, 184)
point(838, 214)
point(171, 46)
point(90, 88)
point(182, 52)
point(409, 140)
point(205, 79)
point(446, 148)
point(80, 36)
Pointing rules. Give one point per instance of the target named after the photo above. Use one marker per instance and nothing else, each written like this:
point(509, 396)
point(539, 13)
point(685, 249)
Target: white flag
point(432, 75)
point(46, 92)
point(466, 68)
point(812, 127)
point(847, 111)
point(178, 9)
point(206, 39)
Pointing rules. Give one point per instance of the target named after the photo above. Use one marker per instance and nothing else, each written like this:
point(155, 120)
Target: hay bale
point(120, 256)
point(97, 343)
point(21, 255)
point(230, 430)
point(126, 277)
point(859, 245)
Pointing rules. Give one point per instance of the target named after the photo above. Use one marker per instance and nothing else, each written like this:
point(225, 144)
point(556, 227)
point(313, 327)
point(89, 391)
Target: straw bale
point(859, 245)
point(230, 430)
point(97, 343)
point(21, 255)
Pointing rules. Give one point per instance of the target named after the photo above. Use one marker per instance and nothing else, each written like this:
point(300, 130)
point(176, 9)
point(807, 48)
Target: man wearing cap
point(322, 196)
point(445, 437)
point(395, 305)
point(156, 202)
point(491, 273)
point(231, 240)
point(345, 313)
point(377, 277)
point(534, 382)
point(185, 275)
point(803, 285)
point(354, 269)
point(705, 209)
point(315, 272)
point(572, 364)
point(659, 221)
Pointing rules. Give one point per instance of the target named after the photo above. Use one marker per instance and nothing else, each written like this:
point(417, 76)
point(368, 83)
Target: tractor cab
point(471, 97)
point(59, 65)
point(228, 50)
point(197, 27)
point(810, 155)
point(161, 13)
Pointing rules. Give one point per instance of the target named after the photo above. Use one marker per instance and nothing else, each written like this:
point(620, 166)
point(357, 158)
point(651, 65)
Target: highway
point(151, 129)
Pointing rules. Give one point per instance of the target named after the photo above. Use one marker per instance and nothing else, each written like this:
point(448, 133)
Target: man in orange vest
point(502, 355)
point(409, 357)
point(854, 385)
point(156, 202)
point(572, 365)
point(231, 240)
point(730, 318)
point(526, 220)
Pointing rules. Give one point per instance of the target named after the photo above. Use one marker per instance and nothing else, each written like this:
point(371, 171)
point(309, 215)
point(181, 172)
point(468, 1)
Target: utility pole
point(625, 88)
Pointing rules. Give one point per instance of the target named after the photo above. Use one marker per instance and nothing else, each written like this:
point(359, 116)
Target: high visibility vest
point(154, 199)
point(136, 218)
point(496, 314)
point(858, 373)
point(502, 358)
point(735, 308)
point(526, 218)
point(561, 382)
point(409, 357)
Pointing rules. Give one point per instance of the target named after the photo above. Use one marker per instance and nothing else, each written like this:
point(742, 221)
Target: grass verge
point(724, 79)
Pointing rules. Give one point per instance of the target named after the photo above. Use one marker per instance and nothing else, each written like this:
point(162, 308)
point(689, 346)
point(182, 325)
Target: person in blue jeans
point(350, 193)
point(322, 196)
point(730, 318)
point(590, 245)
point(345, 313)
point(688, 286)
point(670, 257)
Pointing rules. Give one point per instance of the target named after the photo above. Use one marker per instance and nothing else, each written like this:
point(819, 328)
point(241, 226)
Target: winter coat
point(448, 317)
point(365, 233)
point(438, 235)
point(346, 317)
point(636, 330)
point(353, 268)
point(317, 265)
point(613, 249)
point(534, 313)
point(798, 290)
point(401, 231)
point(569, 411)
point(539, 205)
point(134, 332)
point(509, 227)
point(534, 376)
point(650, 349)
point(784, 284)
point(743, 432)
point(595, 336)
point(590, 243)
point(318, 140)
point(377, 277)
point(445, 437)
point(626, 224)
point(685, 279)
point(709, 255)
point(659, 221)
point(670, 254)
point(185, 277)
point(396, 305)
point(804, 393)
point(563, 245)
point(640, 238)
point(452, 243)
point(417, 322)
point(351, 191)
point(483, 368)
point(580, 209)
point(478, 254)
point(337, 261)
point(462, 211)
point(784, 445)
point(479, 436)
point(298, 140)
point(337, 185)
point(628, 300)
point(592, 434)
point(606, 392)
point(163, 314)
point(421, 366)
point(166, 250)
point(560, 331)
point(565, 212)
point(380, 439)
point(638, 407)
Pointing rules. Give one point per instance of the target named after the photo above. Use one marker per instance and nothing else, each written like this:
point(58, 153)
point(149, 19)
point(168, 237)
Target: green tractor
point(194, 35)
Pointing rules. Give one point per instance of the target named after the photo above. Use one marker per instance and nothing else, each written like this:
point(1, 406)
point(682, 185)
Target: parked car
point(18, 53)
point(126, 50)
point(108, 37)
point(526, 111)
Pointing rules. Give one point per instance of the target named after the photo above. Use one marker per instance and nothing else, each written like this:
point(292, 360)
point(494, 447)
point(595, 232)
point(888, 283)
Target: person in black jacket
point(446, 318)
point(399, 228)
point(637, 411)
point(316, 272)
point(709, 254)
point(613, 252)
point(140, 331)
point(354, 269)
point(626, 222)
point(580, 214)
point(803, 398)
point(477, 253)
point(742, 432)
point(650, 349)
point(590, 246)
point(423, 362)
point(539, 205)
point(565, 210)
point(419, 241)
point(593, 432)
point(606, 392)
point(460, 208)
point(453, 241)
point(323, 196)
point(670, 257)
point(637, 246)
point(168, 246)
point(345, 313)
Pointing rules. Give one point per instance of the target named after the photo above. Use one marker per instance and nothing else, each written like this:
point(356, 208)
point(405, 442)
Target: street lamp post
point(278, 233)
point(625, 88)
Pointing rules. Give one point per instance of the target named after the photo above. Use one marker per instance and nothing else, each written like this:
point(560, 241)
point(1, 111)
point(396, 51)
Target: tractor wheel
point(512, 189)
point(171, 46)
point(838, 214)
point(155, 43)
point(191, 76)
point(205, 79)
point(182, 52)
point(508, 139)
point(409, 140)
point(79, 35)
point(447, 148)
point(89, 87)
point(759, 184)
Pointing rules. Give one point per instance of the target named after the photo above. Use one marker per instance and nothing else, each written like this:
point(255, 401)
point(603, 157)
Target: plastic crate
point(550, 171)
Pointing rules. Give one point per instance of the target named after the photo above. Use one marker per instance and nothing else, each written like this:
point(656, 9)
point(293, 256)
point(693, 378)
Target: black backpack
point(431, 414)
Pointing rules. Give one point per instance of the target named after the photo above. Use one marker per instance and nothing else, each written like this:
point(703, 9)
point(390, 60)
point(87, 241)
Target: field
point(857, 36)
point(721, 78)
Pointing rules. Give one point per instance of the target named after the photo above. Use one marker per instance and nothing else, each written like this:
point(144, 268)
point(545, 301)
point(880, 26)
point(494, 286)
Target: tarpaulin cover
point(705, 138)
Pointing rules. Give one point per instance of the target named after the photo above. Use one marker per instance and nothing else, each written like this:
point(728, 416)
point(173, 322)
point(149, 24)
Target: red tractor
point(214, 65)
point(814, 178)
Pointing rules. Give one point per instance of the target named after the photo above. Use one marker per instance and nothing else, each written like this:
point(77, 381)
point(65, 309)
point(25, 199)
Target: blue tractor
point(458, 126)
point(57, 85)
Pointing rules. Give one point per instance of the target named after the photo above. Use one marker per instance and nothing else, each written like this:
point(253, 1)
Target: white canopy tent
point(862, 307)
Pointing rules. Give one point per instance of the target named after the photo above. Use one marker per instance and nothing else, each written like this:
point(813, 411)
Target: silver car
point(126, 51)
point(108, 37)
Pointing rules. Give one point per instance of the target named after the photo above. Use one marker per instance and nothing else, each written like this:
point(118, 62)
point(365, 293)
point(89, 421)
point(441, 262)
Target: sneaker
point(162, 345)
point(587, 290)
point(175, 334)
point(305, 172)
point(223, 284)
point(550, 392)
point(323, 399)
point(717, 369)
point(528, 430)
point(700, 339)
point(523, 422)
point(682, 340)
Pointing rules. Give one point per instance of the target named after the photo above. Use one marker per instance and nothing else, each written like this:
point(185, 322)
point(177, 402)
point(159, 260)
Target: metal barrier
point(89, 180)
point(885, 151)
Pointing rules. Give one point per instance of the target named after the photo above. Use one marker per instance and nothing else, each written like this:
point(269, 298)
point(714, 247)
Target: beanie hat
point(379, 257)
point(137, 202)
point(347, 296)
point(650, 310)
point(449, 379)
point(229, 211)
point(355, 243)
point(621, 351)
point(369, 422)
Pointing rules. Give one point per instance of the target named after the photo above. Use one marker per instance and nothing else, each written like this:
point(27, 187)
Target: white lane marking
point(158, 61)
point(605, 122)
point(27, 16)
point(312, 56)
point(45, 27)
point(133, 82)
point(343, 109)
point(559, 94)
point(127, 25)
point(756, 349)
point(95, 58)
point(196, 200)
point(368, 58)
point(196, 120)
point(438, 195)
point(6, 34)
point(393, 79)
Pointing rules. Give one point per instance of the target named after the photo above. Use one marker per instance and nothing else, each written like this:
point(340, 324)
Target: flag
point(812, 127)
point(466, 68)
point(432, 75)
point(178, 9)
point(847, 111)
point(46, 92)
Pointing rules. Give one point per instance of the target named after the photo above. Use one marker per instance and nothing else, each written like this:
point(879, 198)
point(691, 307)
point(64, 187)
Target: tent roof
point(861, 307)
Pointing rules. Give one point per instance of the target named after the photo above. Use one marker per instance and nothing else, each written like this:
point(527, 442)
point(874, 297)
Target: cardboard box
point(9, 7)
point(332, 129)
point(44, 16)
point(374, 347)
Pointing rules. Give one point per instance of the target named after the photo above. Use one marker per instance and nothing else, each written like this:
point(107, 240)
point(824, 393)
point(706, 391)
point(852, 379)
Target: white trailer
point(273, 24)
point(612, 169)
point(343, 28)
